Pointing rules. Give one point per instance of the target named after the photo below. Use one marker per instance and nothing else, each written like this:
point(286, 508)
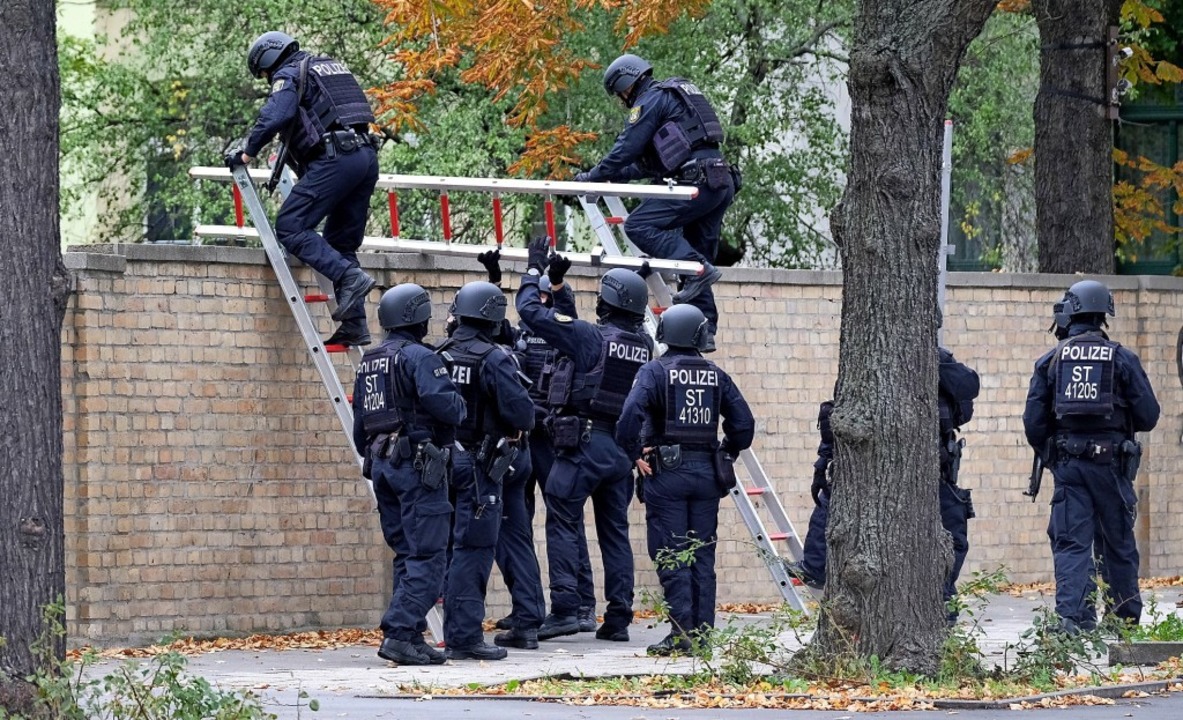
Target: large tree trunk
point(888, 554)
point(1073, 137)
point(33, 291)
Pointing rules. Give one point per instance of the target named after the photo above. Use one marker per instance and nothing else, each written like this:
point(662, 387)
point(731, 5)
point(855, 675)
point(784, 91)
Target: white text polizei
point(631, 353)
point(1102, 353)
point(682, 376)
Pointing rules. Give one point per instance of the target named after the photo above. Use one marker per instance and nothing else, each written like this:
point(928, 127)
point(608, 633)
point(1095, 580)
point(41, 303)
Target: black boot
point(480, 651)
point(517, 638)
point(615, 633)
point(351, 334)
point(694, 285)
point(403, 652)
point(554, 626)
point(435, 656)
point(351, 291)
point(587, 619)
point(669, 645)
point(505, 623)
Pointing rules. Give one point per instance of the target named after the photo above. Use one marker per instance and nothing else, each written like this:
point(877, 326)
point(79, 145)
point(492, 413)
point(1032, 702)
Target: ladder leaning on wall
point(748, 495)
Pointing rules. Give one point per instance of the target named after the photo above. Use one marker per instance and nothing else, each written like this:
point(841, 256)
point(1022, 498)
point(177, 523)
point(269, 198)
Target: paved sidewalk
point(339, 678)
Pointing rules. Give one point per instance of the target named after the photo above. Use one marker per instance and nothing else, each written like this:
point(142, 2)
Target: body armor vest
point(1083, 368)
point(599, 393)
point(380, 412)
point(332, 100)
point(538, 363)
point(699, 128)
point(691, 401)
point(468, 358)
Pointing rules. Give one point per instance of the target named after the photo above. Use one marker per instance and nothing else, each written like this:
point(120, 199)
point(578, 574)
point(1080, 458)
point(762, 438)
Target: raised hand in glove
point(558, 268)
point(819, 484)
point(491, 259)
point(234, 159)
point(538, 256)
point(582, 177)
point(645, 271)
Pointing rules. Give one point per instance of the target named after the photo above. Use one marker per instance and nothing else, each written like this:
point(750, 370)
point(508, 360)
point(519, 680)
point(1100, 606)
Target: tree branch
point(809, 46)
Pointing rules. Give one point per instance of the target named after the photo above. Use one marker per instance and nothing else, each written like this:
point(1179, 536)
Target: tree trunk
point(883, 593)
point(1073, 137)
point(34, 287)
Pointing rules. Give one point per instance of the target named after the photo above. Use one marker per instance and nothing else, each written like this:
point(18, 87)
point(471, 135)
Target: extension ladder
point(746, 496)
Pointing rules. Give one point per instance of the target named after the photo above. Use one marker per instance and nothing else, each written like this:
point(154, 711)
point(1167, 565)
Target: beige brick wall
point(209, 488)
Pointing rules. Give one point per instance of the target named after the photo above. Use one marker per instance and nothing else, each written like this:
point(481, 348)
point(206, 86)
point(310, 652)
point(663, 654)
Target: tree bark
point(888, 553)
point(34, 287)
point(1073, 137)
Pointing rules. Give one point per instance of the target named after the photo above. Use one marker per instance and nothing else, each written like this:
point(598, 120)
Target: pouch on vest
point(565, 432)
point(718, 176)
point(724, 471)
point(672, 145)
point(561, 383)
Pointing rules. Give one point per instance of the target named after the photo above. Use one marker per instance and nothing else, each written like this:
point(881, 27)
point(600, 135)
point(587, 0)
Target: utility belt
point(568, 432)
point(345, 141)
point(433, 462)
point(713, 172)
point(671, 457)
point(1100, 450)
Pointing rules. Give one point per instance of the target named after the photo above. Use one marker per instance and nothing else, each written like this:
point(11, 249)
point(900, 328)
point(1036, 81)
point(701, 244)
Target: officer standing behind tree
point(499, 413)
point(672, 132)
point(515, 545)
point(593, 377)
point(811, 568)
point(318, 109)
point(681, 398)
point(1086, 400)
point(957, 387)
point(405, 413)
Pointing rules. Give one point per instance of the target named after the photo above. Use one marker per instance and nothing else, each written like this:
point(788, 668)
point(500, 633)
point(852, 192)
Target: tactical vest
point(675, 142)
point(376, 374)
point(691, 400)
point(599, 393)
point(1083, 368)
point(333, 100)
point(538, 363)
point(468, 359)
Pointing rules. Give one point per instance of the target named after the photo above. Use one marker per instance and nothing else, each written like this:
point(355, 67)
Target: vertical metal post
point(498, 230)
point(549, 210)
point(446, 215)
point(392, 203)
point(946, 249)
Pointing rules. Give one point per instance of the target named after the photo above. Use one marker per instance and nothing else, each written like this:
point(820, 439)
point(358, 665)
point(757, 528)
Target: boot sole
point(698, 287)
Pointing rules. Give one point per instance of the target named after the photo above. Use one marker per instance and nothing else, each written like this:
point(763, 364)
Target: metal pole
point(946, 249)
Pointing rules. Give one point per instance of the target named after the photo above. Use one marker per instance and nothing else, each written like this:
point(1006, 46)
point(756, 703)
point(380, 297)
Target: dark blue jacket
point(281, 107)
point(647, 396)
point(501, 384)
point(958, 385)
point(1130, 386)
point(578, 339)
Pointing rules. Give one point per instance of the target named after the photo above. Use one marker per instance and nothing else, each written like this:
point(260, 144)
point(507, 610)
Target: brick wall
point(209, 488)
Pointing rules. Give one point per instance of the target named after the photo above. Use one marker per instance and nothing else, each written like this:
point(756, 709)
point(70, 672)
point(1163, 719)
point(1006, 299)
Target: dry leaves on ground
point(315, 640)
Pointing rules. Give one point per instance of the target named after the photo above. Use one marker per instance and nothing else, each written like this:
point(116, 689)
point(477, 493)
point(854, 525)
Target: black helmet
point(1088, 297)
point(269, 51)
point(480, 300)
point(624, 71)
point(682, 326)
point(404, 305)
point(625, 290)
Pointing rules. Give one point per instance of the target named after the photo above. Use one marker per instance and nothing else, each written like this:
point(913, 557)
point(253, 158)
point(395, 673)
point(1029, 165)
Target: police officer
point(681, 398)
point(1086, 400)
point(592, 379)
point(537, 360)
point(811, 569)
point(317, 107)
point(957, 387)
point(405, 413)
point(672, 132)
point(499, 413)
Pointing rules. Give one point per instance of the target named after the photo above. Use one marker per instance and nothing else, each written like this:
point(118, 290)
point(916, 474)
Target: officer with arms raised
point(672, 132)
point(1086, 400)
point(681, 397)
point(405, 413)
point(499, 412)
point(593, 377)
point(317, 107)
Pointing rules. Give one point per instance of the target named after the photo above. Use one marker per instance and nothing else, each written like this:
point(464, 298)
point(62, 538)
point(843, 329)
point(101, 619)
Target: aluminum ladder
point(748, 495)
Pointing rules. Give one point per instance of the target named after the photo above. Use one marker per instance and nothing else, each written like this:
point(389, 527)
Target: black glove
point(645, 271)
point(539, 254)
point(819, 484)
point(582, 177)
point(234, 159)
point(491, 259)
point(558, 267)
point(639, 484)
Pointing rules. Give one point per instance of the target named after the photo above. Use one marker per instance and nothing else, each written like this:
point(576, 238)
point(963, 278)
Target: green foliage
point(1157, 625)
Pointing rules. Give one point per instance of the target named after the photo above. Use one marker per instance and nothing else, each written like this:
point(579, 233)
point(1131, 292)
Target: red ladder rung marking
point(755, 491)
point(316, 297)
point(336, 348)
point(349, 398)
point(614, 220)
point(778, 536)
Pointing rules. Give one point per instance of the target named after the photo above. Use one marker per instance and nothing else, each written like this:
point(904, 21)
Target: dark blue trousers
point(336, 190)
point(597, 469)
point(955, 519)
point(813, 559)
point(680, 505)
point(542, 457)
point(683, 230)
point(474, 539)
point(515, 549)
point(1091, 497)
point(415, 523)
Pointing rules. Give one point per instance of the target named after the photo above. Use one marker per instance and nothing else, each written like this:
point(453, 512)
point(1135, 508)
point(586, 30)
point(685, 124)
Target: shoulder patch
point(560, 317)
point(277, 85)
point(440, 372)
point(635, 115)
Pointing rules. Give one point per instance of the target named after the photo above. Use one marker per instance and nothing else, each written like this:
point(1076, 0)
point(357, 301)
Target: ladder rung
point(336, 348)
point(778, 536)
point(614, 220)
point(349, 398)
point(659, 310)
point(316, 297)
point(755, 491)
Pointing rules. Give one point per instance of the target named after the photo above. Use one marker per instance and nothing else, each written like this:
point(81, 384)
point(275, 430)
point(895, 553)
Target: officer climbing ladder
point(607, 228)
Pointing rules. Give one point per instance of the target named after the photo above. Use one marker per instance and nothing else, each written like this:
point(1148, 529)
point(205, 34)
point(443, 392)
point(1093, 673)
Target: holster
point(434, 465)
point(724, 471)
point(669, 457)
point(501, 460)
point(1131, 459)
